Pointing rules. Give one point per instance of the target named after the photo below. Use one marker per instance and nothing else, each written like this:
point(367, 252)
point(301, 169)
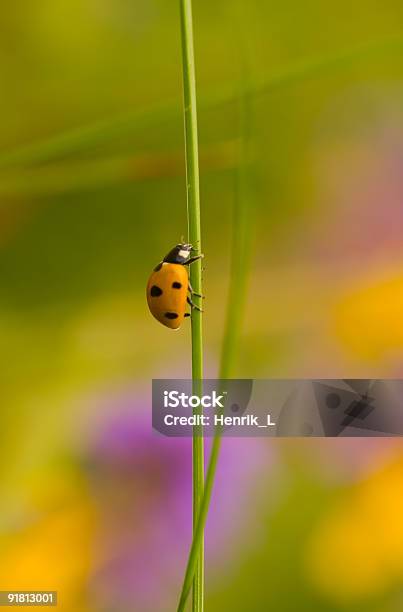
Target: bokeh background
point(92, 195)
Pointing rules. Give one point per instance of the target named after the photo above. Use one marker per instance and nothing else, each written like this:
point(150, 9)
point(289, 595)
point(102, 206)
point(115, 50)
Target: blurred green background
point(92, 195)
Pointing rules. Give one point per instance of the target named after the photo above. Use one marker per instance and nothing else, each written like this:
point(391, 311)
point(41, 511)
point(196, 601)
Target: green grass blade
point(193, 202)
point(328, 64)
point(84, 137)
point(242, 224)
point(69, 176)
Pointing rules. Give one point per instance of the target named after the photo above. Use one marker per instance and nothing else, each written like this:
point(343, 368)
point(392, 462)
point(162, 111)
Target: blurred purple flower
point(142, 482)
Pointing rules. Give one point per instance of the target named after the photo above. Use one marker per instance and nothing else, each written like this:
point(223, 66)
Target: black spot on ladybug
point(176, 285)
point(158, 267)
point(171, 315)
point(155, 291)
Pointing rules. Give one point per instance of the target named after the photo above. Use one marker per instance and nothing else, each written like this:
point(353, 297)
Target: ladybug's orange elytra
point(168, 286)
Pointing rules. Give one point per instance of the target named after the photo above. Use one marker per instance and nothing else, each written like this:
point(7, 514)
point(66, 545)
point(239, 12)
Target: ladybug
point(168, 287)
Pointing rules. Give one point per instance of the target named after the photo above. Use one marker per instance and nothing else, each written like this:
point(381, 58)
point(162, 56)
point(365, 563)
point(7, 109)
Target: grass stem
point(242, 224)
point(193, 207)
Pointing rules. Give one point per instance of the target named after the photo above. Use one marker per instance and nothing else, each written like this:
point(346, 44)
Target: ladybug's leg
point(193, 305)
point(187, 314)
point(193, 292)
point(193, 259)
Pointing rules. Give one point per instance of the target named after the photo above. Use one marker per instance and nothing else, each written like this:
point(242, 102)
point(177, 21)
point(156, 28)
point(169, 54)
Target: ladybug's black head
point(179, 254)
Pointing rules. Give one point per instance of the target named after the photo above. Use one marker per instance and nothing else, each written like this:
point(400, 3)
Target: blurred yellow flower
point(357, 549)
point(368, 320)
point(53, 554)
